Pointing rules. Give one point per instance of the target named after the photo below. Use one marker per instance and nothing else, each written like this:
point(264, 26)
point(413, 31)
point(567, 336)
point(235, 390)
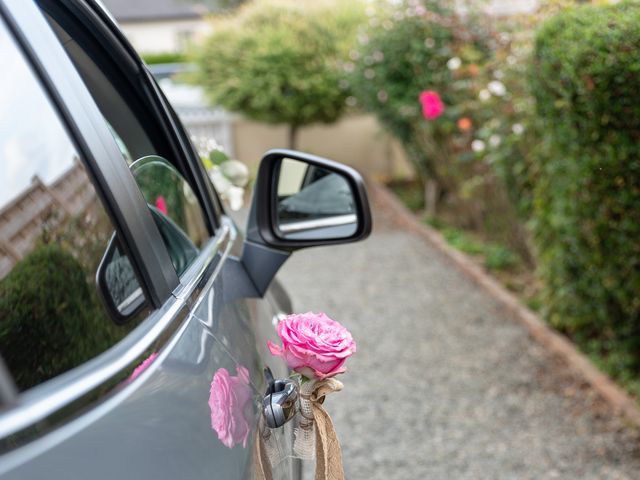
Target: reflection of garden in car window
point(173, 203)
point(175, 209)
point(53, 234)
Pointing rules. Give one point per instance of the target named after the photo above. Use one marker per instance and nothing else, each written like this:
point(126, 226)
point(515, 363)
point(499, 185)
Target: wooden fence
point(23, 219)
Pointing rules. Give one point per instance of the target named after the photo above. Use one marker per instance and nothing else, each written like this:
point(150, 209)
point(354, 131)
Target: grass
point(494, 256)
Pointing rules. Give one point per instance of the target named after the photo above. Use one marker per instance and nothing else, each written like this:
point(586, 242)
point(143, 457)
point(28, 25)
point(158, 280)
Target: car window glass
point(54, 232)
point(137, 142)
point(175, 209)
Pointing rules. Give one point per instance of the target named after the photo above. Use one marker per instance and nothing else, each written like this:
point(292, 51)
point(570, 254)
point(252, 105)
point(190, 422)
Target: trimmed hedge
point(50, 317)
point(586, 207)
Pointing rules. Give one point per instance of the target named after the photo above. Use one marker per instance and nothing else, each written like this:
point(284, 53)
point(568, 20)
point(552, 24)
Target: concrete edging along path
point(621, 402)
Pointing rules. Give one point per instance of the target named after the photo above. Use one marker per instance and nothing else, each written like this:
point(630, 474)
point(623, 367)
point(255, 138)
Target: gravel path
point(444, 385)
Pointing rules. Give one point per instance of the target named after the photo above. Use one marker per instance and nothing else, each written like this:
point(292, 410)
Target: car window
point(139, 140)
point(175, 209)
point(54, 232)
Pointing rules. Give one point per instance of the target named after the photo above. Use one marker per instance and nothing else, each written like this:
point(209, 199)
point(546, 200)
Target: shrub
point(164, 57)
point(50, 318)
point(586, 82)
point(412, 47)
point(277, 61)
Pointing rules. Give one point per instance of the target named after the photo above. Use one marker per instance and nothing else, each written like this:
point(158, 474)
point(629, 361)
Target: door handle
point(280, 402)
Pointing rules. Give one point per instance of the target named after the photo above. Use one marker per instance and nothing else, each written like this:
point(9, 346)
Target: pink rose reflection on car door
point(142, 367)
point(230, 402)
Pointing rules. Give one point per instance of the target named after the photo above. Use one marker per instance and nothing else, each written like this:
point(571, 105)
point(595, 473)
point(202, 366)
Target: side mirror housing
point(301, 200)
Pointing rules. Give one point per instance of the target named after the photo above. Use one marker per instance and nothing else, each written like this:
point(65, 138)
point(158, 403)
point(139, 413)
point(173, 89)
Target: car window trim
point(96, 146)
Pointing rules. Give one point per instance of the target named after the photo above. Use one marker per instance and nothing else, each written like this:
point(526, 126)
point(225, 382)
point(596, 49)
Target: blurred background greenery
point(532, 167)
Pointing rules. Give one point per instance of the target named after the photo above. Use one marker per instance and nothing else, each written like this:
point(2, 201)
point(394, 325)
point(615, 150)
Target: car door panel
point(243, 328)
point(161, 429)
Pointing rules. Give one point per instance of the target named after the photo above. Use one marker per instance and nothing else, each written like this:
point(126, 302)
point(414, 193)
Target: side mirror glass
point(117, 283)
point(313, 202)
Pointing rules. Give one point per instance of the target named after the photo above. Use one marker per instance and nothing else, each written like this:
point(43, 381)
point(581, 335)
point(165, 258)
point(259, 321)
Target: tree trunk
point(293, 136)
point(431, 193)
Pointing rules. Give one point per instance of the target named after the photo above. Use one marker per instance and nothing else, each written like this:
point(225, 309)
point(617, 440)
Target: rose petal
point(274, 349)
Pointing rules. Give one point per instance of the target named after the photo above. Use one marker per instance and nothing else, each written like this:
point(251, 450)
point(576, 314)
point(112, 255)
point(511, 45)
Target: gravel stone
point(444, 384)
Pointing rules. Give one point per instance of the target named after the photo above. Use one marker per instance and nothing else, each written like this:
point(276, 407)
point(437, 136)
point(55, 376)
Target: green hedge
point(586, 82)
point(50, 317)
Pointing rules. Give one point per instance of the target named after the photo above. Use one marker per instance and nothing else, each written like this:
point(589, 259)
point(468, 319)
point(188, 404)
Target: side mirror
point(301, 200)
point(117, 284)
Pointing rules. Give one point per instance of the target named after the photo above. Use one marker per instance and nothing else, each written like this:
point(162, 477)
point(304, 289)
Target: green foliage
point(164, 57)
point(496, 257)
point(50, 318)
point(413, 47)
point(463, 242)
point(586, 197)
point(217, 157)
point(507, 125)
point(410, 193)
point(499, 257)
point(406, 51)
point(277, 61)
point(219, 4)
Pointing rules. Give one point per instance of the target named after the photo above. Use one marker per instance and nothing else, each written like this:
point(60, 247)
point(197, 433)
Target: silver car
point(134, 316)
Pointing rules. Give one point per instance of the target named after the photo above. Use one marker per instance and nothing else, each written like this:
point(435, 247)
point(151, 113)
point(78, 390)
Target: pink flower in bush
point(230, 405)
point(143, 366)
point(432, 106)
point(161, 204)
point(314, 345)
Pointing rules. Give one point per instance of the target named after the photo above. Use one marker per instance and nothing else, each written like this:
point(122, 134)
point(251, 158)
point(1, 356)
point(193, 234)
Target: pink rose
point(142, 367)
point(161, 204)
point(230, 405)
point(314, 345)
point(432, 106)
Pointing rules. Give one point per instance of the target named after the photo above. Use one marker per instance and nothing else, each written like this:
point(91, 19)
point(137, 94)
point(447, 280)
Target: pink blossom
point(231, 407)
point(143, 366)
point(432, 106)
point(161, 204)
point(314, 345)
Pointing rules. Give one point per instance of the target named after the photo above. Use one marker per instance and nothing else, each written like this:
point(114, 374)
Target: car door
point(142, 405)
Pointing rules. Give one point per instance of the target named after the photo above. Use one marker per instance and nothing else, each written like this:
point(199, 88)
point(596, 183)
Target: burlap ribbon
point(261, 464)
point(328, 452)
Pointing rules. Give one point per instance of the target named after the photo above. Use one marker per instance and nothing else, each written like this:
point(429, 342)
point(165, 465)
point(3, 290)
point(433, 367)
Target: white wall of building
point(512, 7)
point(164, 36)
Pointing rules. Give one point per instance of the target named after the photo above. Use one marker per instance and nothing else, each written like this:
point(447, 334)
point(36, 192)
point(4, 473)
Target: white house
point(159, 26)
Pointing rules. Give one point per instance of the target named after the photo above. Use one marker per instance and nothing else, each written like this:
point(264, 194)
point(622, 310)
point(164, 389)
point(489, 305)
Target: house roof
point(155, 10)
